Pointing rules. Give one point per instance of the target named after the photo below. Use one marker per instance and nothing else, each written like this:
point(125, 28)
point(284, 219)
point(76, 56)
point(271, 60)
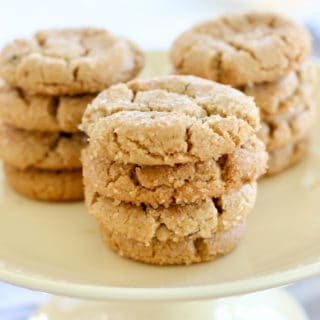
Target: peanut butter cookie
point(197, 220)
point(287, 156)
point(177, 234)
point(284, 96)
point(179, 184)
point(170, 252)
point(241, 49)
point(65, 185)
point(280, 130)
point(169, 120)
point(34, 149)
point(69, 61)
point(41, 112)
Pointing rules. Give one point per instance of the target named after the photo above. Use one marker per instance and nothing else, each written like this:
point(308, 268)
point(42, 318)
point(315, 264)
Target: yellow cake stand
point(57, 248)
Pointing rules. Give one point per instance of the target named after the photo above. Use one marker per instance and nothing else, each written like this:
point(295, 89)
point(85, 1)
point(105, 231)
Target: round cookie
point(240, 49)
point(278, 131)
point(169, 120)
point(175, 223)
point(34, 149)
point(170, 252)
point(69, 61)
point(46, 185)
point(179, 184)
point(286, 156)
point(279, 98)
point(40, 112)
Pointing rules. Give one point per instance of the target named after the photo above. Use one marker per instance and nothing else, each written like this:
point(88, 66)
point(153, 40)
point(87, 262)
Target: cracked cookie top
point(169, 120)
point(69, 61)
point(241, 49)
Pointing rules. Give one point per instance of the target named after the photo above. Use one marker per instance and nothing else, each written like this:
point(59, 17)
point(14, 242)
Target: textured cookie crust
point(279, 98)
point(280, 130)
point(182, 252)
point(46, 185)
point(69, 61)
point(179, 184)
point(175, 223)
point(169, 120)
point(35, 149)
point(241, 49)
point(287, 156)
point(40, 112)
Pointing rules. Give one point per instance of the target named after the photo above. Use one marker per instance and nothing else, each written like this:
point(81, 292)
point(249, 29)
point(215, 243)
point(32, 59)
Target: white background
point(153, 24)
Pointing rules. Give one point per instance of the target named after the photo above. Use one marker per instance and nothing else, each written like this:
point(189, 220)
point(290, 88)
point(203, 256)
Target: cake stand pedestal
point(272, 304)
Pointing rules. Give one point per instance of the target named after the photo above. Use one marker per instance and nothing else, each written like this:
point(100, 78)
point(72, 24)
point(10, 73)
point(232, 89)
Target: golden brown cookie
point(46, 185)
point(241, 49)
point(170, 252)
point(34, 149)
point(280, 130)
point(169, 120)
point(40, 112)
point(279, 98)
point(178, 184)
point(69, 61)
point(175, 223)
point(287, 156)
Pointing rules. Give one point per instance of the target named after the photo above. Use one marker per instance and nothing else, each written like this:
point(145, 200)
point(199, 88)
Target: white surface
point(272, 304)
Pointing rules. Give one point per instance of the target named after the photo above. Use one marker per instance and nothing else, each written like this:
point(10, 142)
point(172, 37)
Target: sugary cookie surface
point(69, 61)
point(241, 49)
point(179, 184)
point(42, 112)
point(168, 120)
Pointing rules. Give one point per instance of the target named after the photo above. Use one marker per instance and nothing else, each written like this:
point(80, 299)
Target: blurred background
point(152, 24)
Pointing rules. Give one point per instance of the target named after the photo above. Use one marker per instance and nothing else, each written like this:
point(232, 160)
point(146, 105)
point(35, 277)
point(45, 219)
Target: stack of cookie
point(263, 55)
point(49, 80)
point(287, 114)
point(170, 168)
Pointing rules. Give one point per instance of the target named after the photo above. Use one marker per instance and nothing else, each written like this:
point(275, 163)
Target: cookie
point(170, 252)
point(179, 184)
point(279, 98)
point(175, 223)
point(41, 112)
point(46, 185)
point(277, 131)
point(169, 120)
point(34, 149)
point(287, 156)
point(241, 49)
point(69, 61)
